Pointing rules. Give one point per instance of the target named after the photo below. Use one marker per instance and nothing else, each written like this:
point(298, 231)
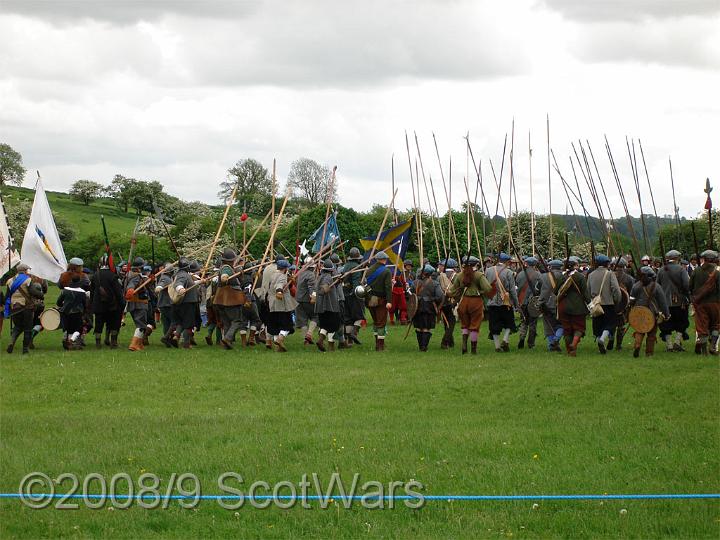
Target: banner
point(9, 257)
point(394, 241)
point(41, 247)
point(332, 233)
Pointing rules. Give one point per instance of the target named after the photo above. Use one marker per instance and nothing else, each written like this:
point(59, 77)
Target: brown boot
point(381, 342)
point(464, 343)
point(377, 344)
point(98, 341)
point(135, 344)
point(331, 346)
point(473, 347)
point(251, 339)
point(321, 343)
point(650, 346)
point(113, 340)
point(574, 346)
point(344, 345)
point(280, 343)
point(268, 344)
point(243, 340)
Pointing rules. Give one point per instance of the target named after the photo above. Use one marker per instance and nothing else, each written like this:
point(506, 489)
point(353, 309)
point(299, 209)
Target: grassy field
point(519, 423)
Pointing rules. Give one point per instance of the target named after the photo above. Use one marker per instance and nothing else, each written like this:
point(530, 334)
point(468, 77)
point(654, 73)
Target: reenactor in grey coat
point(675, 282)
point(306, 318)
point(327, 306)
point(502, 304)
point(603, 283)
point(429, 297)
point(527, 290)
point(647, 293)
point(548, 305)
point(626, 282)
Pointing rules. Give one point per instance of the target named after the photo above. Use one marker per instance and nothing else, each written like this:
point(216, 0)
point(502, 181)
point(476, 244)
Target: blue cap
point(555, 263)
point(451, 263)
point(427, 269)
point(531, 261)
point(282, 263)
point(504, 257)
point(602, 259)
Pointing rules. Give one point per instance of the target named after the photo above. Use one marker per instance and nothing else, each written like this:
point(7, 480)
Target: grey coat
point(610, 293)
point(305, 285)
point(164, 280)
point(521, 279)
point(548, 299)
point(327, 296)
point(675, 283)
point(278, 282)
point(506, 277)
point(185, 279)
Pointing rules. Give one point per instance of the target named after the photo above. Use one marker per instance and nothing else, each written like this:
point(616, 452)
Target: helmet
point(184, 263)
point(228, 255)
point(138, 262)
point(381, 256)
point(360, 291)
point(451, 263)
point(335, 258)
point(354, 254)
point(194, 266)
point(328, 265)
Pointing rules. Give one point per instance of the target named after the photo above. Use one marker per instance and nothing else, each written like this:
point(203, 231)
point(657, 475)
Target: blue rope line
point(386, 497)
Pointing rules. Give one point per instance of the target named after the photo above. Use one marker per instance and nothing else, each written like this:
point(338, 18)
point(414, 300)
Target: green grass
point(85, 220)
point(519, 423)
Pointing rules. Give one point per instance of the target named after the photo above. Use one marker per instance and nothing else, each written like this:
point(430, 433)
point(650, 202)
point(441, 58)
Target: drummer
point(646, 293)
point(22, 296)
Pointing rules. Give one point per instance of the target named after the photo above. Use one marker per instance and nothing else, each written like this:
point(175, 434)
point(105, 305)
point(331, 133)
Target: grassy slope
point(85, 219)
point(528, 423)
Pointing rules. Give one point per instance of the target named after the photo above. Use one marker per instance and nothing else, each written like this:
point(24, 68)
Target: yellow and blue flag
point(393, 241)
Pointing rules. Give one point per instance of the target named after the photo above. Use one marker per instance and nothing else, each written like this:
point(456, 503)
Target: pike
point(478, 172)
point(622, 196)
point(328, 197)
point(427, 195)
point(412, 186)
point(252, 237)
point(676, 210)
point(636, 179)
point(708, 207)
point(159, 215)
point(228, 205)
point(652, 197)
point(451, 222)
point(422, 242)
point(607, 202)
point(552, 252)
point(532, 208)
point(108, 251)
point(133, 243)
point(590, 181)
point(567, 194)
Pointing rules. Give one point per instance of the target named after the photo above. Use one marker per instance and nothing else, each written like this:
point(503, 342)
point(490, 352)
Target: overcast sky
point(178, 91)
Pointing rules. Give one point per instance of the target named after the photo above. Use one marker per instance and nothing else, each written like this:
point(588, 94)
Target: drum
point(641, 319)
point(50, 319)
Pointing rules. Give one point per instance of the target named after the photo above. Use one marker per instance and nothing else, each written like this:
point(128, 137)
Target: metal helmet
point(360, 291)
point(354, 254)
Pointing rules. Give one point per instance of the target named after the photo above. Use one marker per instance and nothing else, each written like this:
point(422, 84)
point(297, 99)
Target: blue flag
point(332, 233)
point(394, 241)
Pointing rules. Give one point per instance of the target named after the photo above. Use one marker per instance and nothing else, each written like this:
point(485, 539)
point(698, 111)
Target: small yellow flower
point(536, 456)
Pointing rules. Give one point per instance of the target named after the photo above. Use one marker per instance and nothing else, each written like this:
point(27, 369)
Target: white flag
point(8, 257)
point(41, 248)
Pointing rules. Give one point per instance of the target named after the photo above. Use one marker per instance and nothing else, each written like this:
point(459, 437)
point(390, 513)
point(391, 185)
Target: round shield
point(534, 307)
point(412, 305)
point(50, 319)
point(641, 319)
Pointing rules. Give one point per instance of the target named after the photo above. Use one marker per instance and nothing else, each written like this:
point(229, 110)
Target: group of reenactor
point(325, 299)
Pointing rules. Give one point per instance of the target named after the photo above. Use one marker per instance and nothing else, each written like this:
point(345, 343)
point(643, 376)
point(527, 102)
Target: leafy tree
point(254, 185)
point(86, 191)
point(311, 180)
point(18, 214)
point(136, 194)
point(121, 190)
point(11, 166)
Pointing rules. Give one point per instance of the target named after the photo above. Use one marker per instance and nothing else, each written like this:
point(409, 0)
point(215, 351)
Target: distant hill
point(85, 220)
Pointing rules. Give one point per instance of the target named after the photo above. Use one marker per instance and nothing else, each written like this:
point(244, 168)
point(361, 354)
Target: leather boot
point(321, 342)
point(243, 340)
point(268, 344)
point(473, 347)
point(382, 344)
point(419, 336)
point(108, 341)
point(331, 346)
point(464, 343)
point(428, 336)
point(251, 338)
point(650, 346)
point(113, 340)
point(135, 344)
point(354, 335)
point(145, 340)
point(377, 344)
point(98, 341)
point(280, 343)
point(344, 344)
point(208, 339)
point(568, 344)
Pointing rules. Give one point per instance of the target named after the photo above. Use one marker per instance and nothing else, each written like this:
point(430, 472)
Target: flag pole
point(547, 122)
point(532, 208)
